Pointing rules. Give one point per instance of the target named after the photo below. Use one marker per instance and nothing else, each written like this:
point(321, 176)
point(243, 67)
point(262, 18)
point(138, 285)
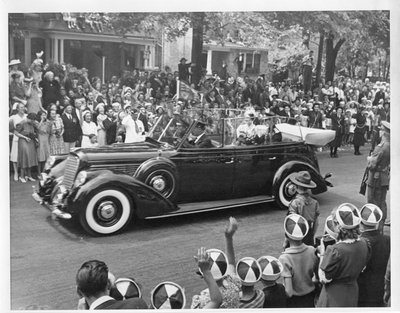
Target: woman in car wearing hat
point(342, 262)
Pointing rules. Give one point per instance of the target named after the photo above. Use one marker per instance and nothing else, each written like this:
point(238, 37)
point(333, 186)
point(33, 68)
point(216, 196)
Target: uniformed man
point(379, 172)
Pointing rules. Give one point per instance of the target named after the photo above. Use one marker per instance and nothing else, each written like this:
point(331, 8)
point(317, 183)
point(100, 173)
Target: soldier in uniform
point(379, 172)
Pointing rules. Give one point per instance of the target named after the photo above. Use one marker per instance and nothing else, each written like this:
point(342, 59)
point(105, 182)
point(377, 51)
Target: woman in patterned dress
point(44, 128)
point(27, 152)
point(56, 131)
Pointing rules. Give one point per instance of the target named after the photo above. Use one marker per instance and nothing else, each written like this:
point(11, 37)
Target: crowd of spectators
point(68, 108)
point(347, 267)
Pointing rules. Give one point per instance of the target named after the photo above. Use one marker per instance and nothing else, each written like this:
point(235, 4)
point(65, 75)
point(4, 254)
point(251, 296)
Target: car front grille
point(71, 169)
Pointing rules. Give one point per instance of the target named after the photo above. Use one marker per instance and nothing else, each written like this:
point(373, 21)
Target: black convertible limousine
point(106, 187)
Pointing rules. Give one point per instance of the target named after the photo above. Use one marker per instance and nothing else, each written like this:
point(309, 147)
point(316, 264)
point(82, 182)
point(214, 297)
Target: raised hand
point(231, 227)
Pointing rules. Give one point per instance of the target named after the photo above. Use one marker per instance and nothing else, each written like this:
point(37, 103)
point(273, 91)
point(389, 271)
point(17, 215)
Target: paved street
point(45, 253)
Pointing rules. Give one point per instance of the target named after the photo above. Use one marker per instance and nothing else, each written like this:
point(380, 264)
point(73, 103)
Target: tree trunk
point(331, 54)
point(319, 58)
point(197, 44)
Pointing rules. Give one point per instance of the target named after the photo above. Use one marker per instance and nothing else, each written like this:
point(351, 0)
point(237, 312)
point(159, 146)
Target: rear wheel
point(106, 213)
point(285, 191)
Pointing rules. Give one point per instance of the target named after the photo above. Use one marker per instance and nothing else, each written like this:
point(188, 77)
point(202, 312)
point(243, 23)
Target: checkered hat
point(296, 226)
point(370, 214)
point(348, 216)
point(271, 267)
point(168, 295)
point(248, 270)
point(330, 227)
point(219, 265)
point(125, 288)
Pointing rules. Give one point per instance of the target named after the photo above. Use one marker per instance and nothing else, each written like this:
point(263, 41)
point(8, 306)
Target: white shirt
point(99, 301)
point(131, 135)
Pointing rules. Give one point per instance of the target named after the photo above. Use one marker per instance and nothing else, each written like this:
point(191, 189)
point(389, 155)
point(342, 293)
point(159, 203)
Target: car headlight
point(49, 162)
point(80, 179)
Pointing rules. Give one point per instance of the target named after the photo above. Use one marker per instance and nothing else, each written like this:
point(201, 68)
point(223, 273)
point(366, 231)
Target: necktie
point(136, 127)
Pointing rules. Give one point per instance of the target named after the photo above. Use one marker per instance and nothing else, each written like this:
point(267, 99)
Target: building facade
point(65, 39)
point(250, 61)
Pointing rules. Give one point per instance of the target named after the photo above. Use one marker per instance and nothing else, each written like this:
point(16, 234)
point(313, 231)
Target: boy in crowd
point(300, 264)
point(304, 205)
point(275, 296)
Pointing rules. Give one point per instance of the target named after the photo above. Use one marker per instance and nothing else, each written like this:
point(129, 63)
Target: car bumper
point(55, 211)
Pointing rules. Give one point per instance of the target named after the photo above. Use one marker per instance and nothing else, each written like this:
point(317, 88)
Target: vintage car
point(106, 187)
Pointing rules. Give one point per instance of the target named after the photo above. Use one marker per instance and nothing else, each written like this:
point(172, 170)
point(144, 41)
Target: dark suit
point(72, 128)
point(132, 303)
point(111, 130)
point(143, 118)
point(203, 142)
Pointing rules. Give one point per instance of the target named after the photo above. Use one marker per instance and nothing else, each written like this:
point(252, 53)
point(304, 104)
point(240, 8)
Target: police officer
point(379, 172)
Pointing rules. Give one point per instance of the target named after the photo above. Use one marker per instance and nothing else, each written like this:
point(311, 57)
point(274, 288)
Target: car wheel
point(106, 213)
point(285, 191)
point(163, 180)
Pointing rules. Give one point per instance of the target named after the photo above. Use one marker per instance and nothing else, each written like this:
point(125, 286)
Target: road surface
point(46, 253)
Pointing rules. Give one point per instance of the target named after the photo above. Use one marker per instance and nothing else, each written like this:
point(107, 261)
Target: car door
point(254, 170)
point(205, 174)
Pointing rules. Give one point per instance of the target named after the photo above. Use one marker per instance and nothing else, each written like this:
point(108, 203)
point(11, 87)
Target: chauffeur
point(198, 137)
point(379, 172)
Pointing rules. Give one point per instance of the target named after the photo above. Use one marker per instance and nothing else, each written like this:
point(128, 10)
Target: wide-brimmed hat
point(370, 214)
point(271, 267)
point(296, 226)
point(348, 216)
point(248, 271)
point(14, 62)
point(182, 59)
point(385, 126)
point(125, 288)
point(303, 179)
point(168, 295)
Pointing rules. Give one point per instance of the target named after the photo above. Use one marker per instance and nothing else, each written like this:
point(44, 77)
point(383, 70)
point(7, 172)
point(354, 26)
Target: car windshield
point(227, 127)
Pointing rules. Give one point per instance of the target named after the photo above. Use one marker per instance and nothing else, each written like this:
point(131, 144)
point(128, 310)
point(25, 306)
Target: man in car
point(198, 137)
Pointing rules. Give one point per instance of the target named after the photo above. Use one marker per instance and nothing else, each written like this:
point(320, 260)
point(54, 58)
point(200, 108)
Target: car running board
point(197, 207)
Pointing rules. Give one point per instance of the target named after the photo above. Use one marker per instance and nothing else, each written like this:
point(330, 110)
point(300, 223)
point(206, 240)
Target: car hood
point(122, 152)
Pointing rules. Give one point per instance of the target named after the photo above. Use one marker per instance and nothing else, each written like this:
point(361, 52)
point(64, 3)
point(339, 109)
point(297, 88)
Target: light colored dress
point(43, 152)
point(14, 120)
point(87, 129)
point(101, 132)
point(55, 140)
point(33, 101)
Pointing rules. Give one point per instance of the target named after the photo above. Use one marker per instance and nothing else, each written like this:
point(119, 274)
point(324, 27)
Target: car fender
point(145, 166)
point(145, 200)
point(296, 166)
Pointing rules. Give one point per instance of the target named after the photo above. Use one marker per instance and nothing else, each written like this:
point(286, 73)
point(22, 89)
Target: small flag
point(188, 93)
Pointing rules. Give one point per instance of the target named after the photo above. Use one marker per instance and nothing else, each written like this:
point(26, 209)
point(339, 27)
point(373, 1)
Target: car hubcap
point(107, 210)
point(158, 183)
point(290, 190)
